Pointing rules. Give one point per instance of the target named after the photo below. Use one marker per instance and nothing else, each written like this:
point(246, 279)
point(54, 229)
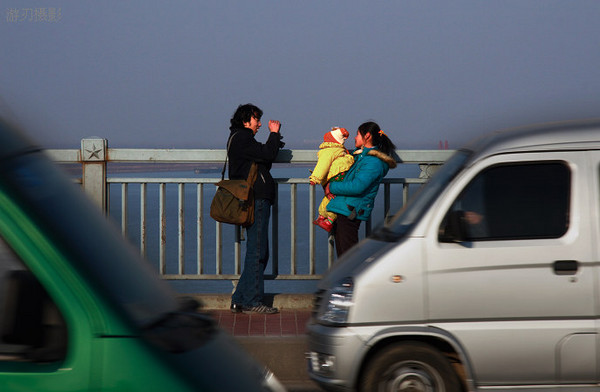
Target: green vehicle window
point(31, 327)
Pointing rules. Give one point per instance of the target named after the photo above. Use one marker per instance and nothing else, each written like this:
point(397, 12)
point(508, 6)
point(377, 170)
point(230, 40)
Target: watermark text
point(33, 15)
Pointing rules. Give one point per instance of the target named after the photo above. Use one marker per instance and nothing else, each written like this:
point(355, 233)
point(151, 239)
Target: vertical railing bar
point(386, 200)
point(143, 219)
point(311, 230)
point(330, 250)
point(237, 250)
point(199, 233)
point(404, 194)
point(181, 230)
point(124, 210)
point(275, 232)
point(163, 228)
point(219, 248)
point(107, 197)
point(293, 268)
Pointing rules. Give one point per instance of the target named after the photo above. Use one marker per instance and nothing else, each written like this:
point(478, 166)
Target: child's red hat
point(336, 135)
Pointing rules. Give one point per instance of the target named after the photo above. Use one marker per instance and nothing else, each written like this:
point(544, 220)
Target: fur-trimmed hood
point(384, 157)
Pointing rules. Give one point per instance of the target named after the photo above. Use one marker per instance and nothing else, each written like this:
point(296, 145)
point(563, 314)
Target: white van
point(487, 280)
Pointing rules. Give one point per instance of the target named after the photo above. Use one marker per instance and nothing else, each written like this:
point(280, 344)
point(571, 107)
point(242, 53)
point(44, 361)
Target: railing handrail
point(124, 155)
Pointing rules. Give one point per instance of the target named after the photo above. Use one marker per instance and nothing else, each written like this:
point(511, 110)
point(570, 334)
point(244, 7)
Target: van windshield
point(405, 219)
point(92, 247)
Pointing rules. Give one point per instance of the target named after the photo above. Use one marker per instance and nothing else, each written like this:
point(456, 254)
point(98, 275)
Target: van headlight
point(336, 306)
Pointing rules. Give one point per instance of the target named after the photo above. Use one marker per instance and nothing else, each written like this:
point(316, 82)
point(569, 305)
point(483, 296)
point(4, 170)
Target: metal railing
point(185, 252)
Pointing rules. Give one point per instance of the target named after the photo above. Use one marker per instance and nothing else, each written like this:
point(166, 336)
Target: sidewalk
point(286, 323)
point(278, 341)
point(281, 301)
point(294, 313)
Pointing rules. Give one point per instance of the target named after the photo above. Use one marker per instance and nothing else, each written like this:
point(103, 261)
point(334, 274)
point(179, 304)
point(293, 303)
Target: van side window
point(31, 327)
point(511, 201)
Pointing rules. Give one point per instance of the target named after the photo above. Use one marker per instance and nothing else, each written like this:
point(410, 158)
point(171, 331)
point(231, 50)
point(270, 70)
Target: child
point(333, 161)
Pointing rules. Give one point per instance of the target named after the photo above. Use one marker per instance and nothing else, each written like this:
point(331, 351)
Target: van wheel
point(409, 367)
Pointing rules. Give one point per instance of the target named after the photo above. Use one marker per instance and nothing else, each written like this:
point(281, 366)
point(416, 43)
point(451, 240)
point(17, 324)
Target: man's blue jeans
point(251, 287)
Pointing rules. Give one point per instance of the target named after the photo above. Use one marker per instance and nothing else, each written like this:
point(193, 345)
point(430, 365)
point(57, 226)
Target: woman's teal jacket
point(355, 194)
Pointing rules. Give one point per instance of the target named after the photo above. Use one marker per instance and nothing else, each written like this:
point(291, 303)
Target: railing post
point(428, 169)
point(93, 159)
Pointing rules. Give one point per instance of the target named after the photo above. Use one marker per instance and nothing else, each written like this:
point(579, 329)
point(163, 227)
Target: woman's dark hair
point(243, 114)
point(380, 139)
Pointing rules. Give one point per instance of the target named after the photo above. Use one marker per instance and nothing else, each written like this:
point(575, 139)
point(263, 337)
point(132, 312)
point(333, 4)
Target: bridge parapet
point(191, 258)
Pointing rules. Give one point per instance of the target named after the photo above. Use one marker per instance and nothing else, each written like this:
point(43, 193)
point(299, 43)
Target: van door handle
point(566, 267)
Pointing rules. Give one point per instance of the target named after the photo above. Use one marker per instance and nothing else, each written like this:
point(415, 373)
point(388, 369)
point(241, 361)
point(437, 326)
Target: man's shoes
point(323, 223)
point(263, 309)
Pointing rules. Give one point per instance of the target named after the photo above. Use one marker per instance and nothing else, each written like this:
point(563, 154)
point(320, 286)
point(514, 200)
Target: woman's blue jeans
point(251, 287)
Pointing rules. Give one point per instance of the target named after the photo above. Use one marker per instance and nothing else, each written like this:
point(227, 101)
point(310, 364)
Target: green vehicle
point(81, 310)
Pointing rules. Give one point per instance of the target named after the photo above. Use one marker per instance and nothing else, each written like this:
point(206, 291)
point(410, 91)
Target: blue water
point(209, 235)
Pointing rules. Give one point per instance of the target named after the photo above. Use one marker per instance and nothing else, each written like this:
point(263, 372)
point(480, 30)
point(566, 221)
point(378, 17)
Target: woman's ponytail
point(380, 139)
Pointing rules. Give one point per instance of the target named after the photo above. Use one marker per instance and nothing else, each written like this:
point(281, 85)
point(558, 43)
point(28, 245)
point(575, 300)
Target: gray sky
point(148, 73)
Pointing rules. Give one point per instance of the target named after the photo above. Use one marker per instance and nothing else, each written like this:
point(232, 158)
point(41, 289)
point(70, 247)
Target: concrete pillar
point(93, 159)
point(428, 169)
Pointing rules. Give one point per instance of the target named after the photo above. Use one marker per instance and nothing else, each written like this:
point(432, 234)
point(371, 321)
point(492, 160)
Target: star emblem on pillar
point(93, 149)
point(94, 152)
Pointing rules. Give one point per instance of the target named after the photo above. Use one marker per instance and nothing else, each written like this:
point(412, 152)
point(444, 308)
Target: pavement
point(277, 340)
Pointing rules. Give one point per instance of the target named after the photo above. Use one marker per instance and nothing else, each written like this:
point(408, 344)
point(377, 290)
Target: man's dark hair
point(243, 114)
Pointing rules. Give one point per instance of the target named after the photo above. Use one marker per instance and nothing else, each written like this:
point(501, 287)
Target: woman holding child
point(352, 198)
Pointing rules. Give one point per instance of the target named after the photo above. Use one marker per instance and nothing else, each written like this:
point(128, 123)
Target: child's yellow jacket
point(333, 160)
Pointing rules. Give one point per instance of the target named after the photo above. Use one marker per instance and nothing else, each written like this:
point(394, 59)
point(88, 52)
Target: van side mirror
point(30, 319)
point(453, 228)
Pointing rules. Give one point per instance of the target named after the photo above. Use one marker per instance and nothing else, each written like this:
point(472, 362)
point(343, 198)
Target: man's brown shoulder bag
point(234, 200)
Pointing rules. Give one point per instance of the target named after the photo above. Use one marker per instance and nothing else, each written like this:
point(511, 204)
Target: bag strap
point(252, 174)
point(226, 156)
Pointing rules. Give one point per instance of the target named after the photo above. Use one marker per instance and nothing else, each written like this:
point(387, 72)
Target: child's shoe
point(324, 223)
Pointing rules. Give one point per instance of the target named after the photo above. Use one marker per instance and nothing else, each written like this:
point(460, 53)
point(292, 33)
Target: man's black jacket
point(245, 149)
